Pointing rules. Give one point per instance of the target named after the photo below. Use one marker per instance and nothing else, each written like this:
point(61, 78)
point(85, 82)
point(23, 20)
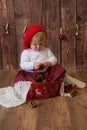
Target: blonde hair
point(40, 36)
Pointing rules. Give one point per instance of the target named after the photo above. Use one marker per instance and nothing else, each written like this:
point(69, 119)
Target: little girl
point(38, 63)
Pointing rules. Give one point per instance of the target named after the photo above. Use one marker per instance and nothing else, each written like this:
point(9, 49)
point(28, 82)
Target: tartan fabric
point(52, 76)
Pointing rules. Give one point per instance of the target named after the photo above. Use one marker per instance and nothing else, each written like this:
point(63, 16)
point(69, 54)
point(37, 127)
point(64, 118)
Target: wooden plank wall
point(70, 52)
point(82, 39)
point(8, 42)
point(68, 22)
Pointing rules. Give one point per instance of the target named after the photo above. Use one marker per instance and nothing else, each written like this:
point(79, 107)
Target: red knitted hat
point(30, 32)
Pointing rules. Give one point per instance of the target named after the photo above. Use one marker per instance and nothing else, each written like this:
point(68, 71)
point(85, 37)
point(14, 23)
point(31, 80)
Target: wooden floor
point(59, 113)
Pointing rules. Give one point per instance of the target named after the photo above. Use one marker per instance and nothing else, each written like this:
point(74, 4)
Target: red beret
point(30, 32)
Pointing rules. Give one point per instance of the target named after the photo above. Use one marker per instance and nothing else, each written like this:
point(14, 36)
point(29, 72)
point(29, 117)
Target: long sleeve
point(52, 58)
point(29, 56)
point(25, 62)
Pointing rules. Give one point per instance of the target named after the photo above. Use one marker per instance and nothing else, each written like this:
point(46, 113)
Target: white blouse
point(29, 56)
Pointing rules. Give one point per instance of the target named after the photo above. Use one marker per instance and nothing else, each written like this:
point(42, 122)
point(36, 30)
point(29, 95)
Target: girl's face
point(37, 45)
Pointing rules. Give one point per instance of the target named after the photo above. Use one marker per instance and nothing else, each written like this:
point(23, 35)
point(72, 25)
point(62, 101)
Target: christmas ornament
point(77, 30)
point(33, 104)
point(39, 77)
point(7, 29)
point(61, 36)
point(70, 89)
point(24, 30)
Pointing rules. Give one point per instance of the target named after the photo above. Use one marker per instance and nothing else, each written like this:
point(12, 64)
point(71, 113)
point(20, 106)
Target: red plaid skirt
point(44, 85)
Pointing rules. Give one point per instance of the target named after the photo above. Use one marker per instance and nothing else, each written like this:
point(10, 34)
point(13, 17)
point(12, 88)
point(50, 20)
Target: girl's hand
point(47, 64)
point(37, 65)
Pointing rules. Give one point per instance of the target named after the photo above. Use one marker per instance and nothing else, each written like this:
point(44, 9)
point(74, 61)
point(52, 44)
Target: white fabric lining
point(13, 96)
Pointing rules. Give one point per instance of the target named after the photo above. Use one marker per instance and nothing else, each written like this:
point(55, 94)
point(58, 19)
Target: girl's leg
point(54, 73)
point(24, 76)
